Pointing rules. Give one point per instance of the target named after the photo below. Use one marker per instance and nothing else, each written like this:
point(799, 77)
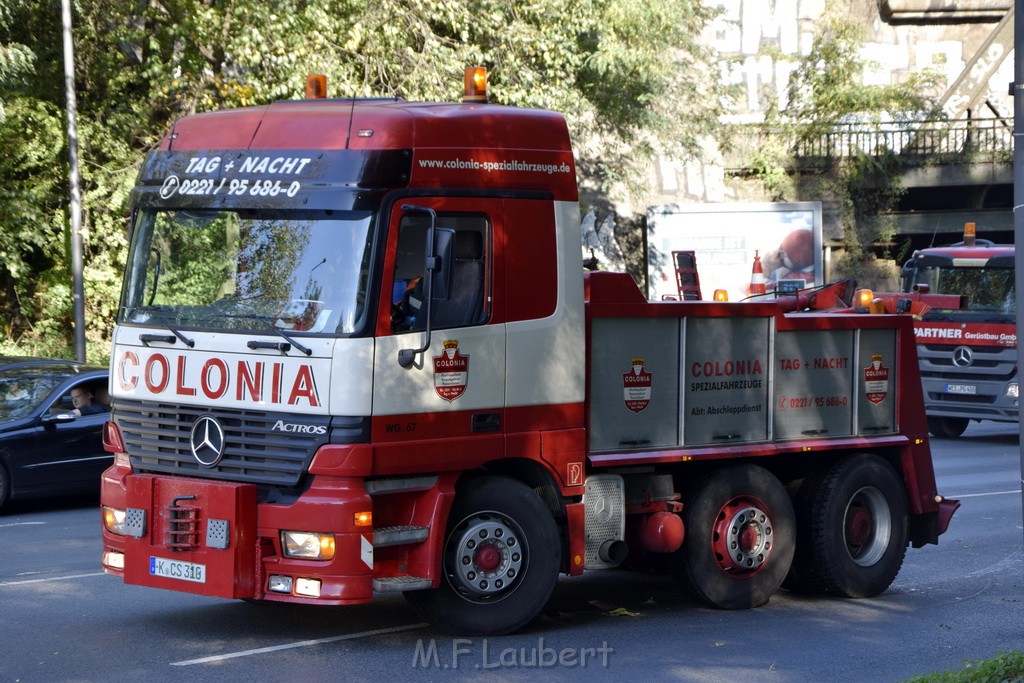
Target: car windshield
point(981, 289)
point(22, 389)
point(249, 270)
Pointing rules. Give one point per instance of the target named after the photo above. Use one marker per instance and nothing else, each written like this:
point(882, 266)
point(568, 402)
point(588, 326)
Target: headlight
point(307, 544)
point(113, 520)
point(1012, 390)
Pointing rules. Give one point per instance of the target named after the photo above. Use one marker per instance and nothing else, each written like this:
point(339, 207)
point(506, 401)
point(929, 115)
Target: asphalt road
point(63, 620)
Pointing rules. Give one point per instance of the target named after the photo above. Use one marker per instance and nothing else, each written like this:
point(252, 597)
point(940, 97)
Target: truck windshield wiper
point(305, 349)
point(284, 347)
point(167, 339)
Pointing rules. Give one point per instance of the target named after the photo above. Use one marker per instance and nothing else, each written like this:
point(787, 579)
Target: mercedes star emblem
point(207, 441)
point(962, 357)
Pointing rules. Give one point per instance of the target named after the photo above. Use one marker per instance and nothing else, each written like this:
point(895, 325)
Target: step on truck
point(962, 297)
point(356, 353)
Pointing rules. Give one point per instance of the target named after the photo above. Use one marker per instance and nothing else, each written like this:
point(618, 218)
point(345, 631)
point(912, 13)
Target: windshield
point(249, 270)
point(980, 289)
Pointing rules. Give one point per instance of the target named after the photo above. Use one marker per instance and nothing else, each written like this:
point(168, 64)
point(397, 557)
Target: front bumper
point(214, 538)
point(988, 402)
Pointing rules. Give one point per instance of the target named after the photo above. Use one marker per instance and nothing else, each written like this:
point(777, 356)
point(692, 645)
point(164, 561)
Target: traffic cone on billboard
point(757, 277)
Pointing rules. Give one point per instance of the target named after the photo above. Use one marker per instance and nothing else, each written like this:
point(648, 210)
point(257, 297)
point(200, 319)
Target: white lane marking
point(53, 578)
point(975, 495)
point(301, 643)
point(4, 526)
point(1000, 567)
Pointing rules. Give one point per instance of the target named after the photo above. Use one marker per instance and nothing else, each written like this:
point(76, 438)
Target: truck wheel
point(853, 530)
point(947, 427)
point(5, 486)
point(500, 563)
point(740, 537)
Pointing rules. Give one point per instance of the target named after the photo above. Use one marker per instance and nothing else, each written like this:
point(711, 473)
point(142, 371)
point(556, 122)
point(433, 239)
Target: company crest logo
point(876, 380)
point(636, 387)
point(451, 372)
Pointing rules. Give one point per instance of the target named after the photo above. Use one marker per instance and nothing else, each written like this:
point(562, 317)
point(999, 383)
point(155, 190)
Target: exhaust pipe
point(613, 552)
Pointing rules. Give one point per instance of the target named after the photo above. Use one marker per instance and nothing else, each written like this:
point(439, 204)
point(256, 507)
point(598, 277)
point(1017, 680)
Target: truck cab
point(964, 301)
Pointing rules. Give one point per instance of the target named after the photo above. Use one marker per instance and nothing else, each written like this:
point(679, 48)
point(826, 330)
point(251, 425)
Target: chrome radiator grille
point(157, 439)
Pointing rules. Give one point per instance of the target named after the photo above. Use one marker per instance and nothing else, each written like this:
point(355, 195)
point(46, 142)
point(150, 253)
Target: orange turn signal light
point(363, 519)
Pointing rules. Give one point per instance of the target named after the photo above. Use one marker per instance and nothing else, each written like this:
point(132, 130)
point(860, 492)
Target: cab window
point(468, 302)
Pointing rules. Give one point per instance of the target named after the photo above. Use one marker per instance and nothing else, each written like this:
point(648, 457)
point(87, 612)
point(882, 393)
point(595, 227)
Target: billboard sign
point(725, 237)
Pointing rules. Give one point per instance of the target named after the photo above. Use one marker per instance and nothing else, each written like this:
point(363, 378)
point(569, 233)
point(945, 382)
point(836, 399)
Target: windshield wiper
point(284, 347)
point(166, 338)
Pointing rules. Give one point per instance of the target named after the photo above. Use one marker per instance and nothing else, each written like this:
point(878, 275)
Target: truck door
point(451, 399)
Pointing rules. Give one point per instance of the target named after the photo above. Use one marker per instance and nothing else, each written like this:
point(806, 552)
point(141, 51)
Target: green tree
point(827, 95)
point(629, 75)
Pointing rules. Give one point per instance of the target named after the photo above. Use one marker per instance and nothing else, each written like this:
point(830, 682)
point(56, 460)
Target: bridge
point(953, 171)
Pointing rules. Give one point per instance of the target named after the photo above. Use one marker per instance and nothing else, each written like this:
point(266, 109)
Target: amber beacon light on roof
point(316, 87)
point(476, 84)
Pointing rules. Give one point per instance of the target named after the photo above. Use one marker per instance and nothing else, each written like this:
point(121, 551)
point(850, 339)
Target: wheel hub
point(858, 526)
point(743, 536)
point(867, 526)
point(485, 556)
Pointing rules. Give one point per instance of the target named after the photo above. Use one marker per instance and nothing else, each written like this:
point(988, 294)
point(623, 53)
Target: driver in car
point(82, 399)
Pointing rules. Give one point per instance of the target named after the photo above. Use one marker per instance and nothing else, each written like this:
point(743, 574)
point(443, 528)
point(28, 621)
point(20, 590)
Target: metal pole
point(1017, 88)
point(77, 287)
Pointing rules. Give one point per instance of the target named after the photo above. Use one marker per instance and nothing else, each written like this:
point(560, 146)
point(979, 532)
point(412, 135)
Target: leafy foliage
point(1006, 667)
point(826, 88)
point(629, 75)
point(828, 84)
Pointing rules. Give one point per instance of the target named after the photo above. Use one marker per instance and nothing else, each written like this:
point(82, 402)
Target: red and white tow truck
point(356, 353)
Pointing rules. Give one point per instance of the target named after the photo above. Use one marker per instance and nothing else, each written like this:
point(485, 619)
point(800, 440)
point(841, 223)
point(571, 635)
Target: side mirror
point(441, 272)
point(908, 274)
point(438, 271)
point(58, 418)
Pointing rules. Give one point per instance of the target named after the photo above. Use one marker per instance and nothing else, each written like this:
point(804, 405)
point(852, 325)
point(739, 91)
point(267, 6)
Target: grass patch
point(1006, 667)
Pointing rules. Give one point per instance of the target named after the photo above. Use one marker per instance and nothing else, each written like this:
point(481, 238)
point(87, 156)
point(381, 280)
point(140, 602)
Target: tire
point(5, 485)
point(500, 561)
point(800, 492)
point(947, 427)
point(852, 530)
point(740, 538)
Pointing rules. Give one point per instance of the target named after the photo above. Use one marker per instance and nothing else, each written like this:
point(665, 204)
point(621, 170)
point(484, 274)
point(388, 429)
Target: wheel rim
point(485, 556)
point(743, 537)
point(867, 526)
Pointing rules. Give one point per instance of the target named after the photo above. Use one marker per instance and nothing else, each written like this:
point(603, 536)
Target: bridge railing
point(964, 141)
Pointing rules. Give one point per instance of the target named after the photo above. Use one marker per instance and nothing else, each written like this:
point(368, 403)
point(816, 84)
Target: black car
point(46, 448)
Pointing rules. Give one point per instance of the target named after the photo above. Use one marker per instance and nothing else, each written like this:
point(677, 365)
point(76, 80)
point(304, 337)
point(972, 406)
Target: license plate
point(968, 389)
point(177, 569)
